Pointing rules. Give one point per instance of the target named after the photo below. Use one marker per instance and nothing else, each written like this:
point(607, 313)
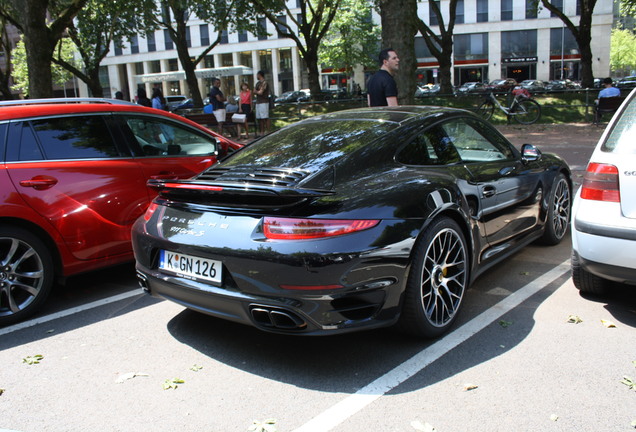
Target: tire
point(559, 211)
point(585, 281)
point(486, 110)
point(527, 111)
point(26, 274)
point(437, 280)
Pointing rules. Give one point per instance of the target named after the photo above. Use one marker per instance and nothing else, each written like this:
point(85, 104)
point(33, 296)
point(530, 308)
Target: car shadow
point(347, 362)
point(620, 302)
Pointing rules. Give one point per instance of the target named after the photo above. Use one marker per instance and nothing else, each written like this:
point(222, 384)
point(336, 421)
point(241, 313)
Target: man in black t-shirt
point(381, 87)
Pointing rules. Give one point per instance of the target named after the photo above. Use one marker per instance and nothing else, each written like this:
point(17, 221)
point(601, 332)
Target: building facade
point(493, 39)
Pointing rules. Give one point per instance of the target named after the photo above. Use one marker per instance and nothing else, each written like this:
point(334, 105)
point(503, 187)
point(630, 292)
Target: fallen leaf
point(469, 387)
point(50, 331)
point(524, 273)
point(629, 382)
point(554, 417)
point(608, 324)
point(268, 425)
point(31, 360)
point(196, 368)
point(505, 324)
point(633, 424)
point(1, 391)
point(574, 319)
point(418, 426)
point(130, 375)
point(172, 384)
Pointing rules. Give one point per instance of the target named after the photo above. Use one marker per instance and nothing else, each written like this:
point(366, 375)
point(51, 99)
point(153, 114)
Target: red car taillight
point(600, 183)
point(304, 229)
point(150, 211)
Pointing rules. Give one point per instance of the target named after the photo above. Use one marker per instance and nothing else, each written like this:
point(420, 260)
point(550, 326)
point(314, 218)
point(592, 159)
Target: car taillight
point(150, 211)
point(303, 229)
point(600, 183)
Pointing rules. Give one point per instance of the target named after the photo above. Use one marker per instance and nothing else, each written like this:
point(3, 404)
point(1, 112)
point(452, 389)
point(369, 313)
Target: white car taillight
point(600, 183)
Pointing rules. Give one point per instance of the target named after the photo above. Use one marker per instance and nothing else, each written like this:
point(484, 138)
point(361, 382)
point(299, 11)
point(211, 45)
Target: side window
point(162, 138)
point(29, 148)
point(77, 137)
point(471, 145)
point(430, 147)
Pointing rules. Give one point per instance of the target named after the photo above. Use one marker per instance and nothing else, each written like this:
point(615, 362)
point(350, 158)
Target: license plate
point(190, 267)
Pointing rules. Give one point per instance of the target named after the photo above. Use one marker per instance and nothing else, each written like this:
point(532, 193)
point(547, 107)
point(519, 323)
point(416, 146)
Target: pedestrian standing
point(381, 87)
point(262, 103)
point(217, 99)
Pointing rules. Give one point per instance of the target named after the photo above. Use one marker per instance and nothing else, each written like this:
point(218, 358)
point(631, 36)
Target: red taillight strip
point(600, 183)
point(311, 287)
point(304, 229)
point(193, 186)
point(150, 211)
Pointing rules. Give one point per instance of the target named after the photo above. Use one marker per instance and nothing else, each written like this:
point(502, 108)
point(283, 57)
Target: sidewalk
point(581, 134)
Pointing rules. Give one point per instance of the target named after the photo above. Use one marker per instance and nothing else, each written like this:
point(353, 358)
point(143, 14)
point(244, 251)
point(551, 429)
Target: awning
point(200, 73)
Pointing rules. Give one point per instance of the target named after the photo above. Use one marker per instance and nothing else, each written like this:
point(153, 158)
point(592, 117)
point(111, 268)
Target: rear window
point(622, 138)
point(311, 145)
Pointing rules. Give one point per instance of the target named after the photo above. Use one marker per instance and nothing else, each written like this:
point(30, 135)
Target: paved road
point(528, 367)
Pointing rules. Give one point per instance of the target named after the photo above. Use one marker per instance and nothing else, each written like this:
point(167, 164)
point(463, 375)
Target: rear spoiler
point(189, 187)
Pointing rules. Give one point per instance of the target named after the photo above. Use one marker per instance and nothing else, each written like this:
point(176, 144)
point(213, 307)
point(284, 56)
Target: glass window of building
point(482, 10)
point(564, 55)
point(134, 44)
point(150, 39)
point(242, 36)
point(168, 40)
point(188, 38)
point(118, 47)
point(265, 61)
point(173, 64)
point(226, 60)
point(139, 68)
point(224, 37)
point(208, 61)
point(531, 9)
point(557, 4)
point(261, 28)
point(519, 43)
point(245, 58)
point(506, 10)
point(204, 33)
point(470, 46)
point(155, 66)
point(282, 25)
point(421, 50)
point(432, 16)
point(459, 12)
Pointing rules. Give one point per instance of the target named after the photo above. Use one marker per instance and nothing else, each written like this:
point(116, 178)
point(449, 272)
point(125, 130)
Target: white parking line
point(338, 413)
point(71, 311)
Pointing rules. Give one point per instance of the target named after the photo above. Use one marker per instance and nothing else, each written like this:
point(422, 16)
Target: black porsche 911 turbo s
point(355, 219)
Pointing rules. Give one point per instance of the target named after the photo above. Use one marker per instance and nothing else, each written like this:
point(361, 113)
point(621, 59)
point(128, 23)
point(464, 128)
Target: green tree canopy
point(352, 38)
point(623, 50)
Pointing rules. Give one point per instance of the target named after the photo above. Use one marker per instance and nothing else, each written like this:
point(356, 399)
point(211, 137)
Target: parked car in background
point(174, 100)
point(292, 97)
point(73, 176)
point(183, 105)
point(560, 85)
point(426, 90)
point(604, 212)
point(472, 87)
point(533, 86)
point(503, 85)
point(349, 220)
point(627, 83)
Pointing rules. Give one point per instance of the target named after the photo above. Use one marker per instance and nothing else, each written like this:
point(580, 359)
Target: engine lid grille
point(246, 174)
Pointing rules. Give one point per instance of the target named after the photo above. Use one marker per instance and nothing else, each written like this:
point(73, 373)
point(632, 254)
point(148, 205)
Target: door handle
point(39, 182)
point(488, 191)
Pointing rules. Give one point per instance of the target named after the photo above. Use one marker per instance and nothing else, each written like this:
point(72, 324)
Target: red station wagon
point(73, 179)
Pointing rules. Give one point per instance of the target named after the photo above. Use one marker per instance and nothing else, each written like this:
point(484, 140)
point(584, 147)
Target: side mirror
point(530, 153)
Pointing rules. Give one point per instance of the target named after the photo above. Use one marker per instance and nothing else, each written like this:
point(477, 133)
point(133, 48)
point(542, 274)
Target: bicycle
point(524, 110)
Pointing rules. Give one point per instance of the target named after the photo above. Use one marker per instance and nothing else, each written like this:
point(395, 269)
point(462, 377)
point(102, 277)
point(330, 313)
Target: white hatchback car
point(604, 209)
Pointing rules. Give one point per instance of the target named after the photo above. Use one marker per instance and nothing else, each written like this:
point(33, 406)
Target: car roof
point(36, 108)
point(397, 115)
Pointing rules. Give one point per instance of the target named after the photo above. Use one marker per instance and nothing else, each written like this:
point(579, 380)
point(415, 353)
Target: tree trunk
point(313, 74)
point(186, 62)
point(39, 49)
point(398, 32)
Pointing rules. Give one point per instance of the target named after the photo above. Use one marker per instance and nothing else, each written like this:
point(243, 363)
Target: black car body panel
point(399, 169)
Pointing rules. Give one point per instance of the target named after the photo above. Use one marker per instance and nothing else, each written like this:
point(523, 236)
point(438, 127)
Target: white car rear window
point(622, 139)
